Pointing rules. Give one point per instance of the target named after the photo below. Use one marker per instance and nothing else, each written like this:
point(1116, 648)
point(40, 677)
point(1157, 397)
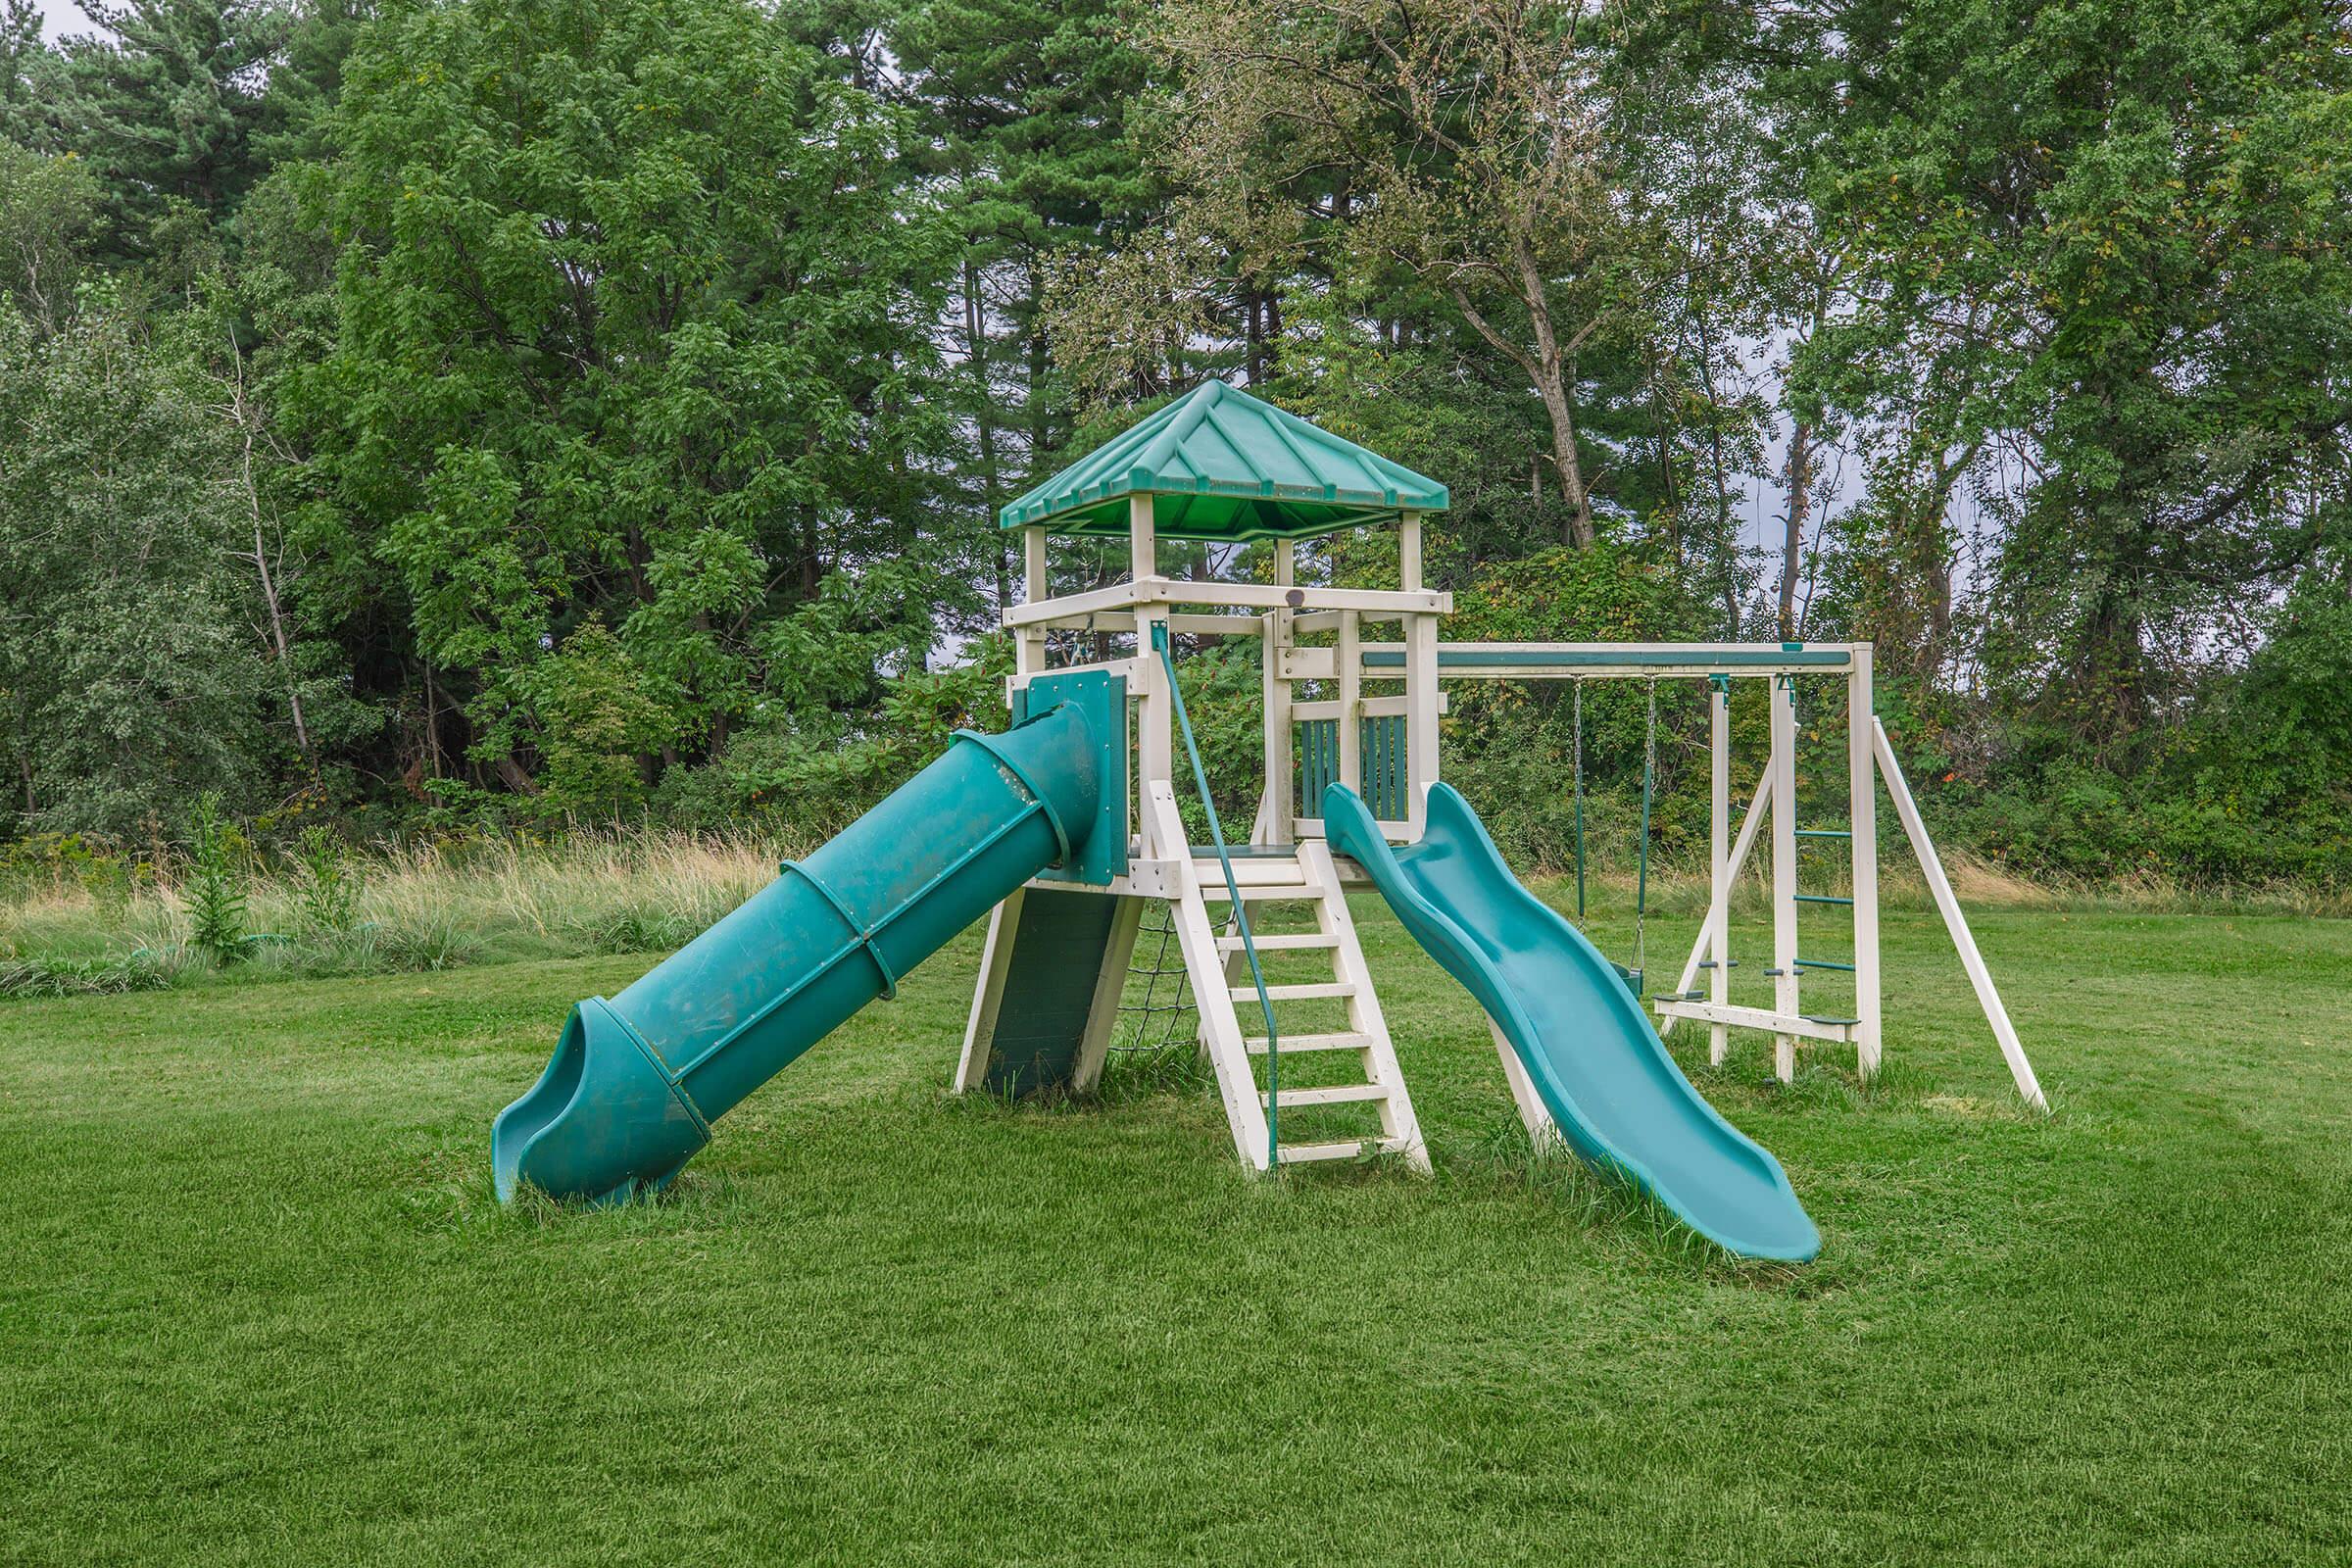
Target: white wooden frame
point(1409, 672)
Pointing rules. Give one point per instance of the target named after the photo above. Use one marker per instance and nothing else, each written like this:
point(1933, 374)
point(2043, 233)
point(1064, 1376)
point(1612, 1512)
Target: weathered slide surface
point(1593, 1054)
point(637, 1080)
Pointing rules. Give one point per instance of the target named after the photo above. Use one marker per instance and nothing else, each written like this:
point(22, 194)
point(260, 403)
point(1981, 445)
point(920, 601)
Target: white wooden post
point(995, 963)
point(1103, 1012)
point(1784, 869)
point(1029, 642)
point(1155, 738)
point(1277, 804)
point(1862, 795)
point(1351, 697)
point(1421, 719)
point(1907, 810)
point(1719, 859)
point(1408, 551)
point(1534, 1115)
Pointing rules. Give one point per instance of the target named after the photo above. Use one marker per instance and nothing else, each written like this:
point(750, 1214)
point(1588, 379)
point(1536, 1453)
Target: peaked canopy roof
point(1226, 465)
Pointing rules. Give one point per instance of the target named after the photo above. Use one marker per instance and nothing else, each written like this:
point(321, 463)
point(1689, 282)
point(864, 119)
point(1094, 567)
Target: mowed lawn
point(259, 1305)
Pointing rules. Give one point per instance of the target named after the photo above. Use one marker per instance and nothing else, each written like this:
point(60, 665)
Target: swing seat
point(1631, 977)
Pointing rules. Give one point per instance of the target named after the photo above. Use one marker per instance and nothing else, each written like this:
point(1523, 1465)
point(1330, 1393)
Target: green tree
point(130, 680)
point(634, 309)
point(167, 99)
point(1471, 148)
point(49, 212)
point(31, 79)
point(2114, 243)
point(1025, 106)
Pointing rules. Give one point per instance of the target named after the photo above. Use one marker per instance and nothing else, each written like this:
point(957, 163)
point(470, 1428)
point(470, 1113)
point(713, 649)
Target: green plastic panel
point(1058, 953)
point(1469, 656)
point(1384, 765)
point(1223, 464)
point(1102, 854)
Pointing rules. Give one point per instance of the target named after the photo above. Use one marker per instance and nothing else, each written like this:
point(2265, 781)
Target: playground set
point(1064, 827)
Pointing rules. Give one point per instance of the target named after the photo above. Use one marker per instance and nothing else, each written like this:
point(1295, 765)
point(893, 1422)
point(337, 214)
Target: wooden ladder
point(1230, 1014)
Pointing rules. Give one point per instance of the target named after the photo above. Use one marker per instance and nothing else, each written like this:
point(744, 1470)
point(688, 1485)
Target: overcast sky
point(61, 16)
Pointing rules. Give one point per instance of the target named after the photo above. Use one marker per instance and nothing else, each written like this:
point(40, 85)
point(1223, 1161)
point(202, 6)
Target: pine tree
point(1027, 107)
point(167, 101)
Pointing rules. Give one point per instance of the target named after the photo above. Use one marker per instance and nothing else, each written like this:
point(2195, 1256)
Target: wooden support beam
point(1700, 951)
point(1862, 825)
point(1716, 938)
point(1898, 789)
point(1784, 985)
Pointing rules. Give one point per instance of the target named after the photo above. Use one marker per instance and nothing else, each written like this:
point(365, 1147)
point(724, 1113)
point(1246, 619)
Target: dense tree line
point(585, 408)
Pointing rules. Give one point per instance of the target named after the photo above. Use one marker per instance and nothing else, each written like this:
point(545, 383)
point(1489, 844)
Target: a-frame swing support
point(1873, 761)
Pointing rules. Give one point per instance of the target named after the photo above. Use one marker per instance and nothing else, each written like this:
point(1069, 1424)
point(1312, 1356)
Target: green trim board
point(1468, 656)
point(1224, 465)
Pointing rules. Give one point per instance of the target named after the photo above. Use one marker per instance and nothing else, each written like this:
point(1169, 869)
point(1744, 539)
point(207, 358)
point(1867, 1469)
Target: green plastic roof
point(1226, 465)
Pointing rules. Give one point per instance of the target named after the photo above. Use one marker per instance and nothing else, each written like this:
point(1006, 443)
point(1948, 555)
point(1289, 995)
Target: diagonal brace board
point(1947, 903)
point(1717, 904)
point(1955, 922)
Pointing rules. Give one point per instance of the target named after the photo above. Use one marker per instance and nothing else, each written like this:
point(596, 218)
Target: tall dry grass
point(438, 904)
point(425, 905)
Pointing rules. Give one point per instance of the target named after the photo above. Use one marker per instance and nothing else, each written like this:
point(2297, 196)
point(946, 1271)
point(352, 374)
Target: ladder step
point(1822, 898)
point(1288, 941)
point(1352, 1148)
point(1711, 963)
point(1212, 889)
point(1301, 993)
point(1832, 1023)
point(1335, 1095)
point(1257, 1044)
point(1825, 833)
point(1824, 964)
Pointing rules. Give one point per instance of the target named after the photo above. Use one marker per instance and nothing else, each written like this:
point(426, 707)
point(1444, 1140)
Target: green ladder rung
point(1711, 963)
point(1824, 833)
point(1840, 1023)
point(1824, 963)
point(1822, 898)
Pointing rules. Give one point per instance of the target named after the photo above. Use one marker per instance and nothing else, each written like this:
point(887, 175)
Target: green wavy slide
point(1591, 1051)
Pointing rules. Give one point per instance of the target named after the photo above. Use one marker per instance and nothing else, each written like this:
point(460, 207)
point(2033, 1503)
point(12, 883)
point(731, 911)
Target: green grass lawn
point(257, 1304)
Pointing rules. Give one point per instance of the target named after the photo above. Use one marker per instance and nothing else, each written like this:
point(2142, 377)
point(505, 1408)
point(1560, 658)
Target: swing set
point(1732, 839)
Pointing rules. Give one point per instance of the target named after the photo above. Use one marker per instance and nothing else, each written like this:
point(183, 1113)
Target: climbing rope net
point(1155, 1011)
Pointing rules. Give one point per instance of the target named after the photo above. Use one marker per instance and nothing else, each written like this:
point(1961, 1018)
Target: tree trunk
point(1552, 368)
point(1792, 542)
point(984, 417)
point(260, 560)
point(1566, 465)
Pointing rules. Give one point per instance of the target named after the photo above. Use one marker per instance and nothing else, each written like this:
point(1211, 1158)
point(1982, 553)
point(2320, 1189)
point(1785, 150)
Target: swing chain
point(1649, 774)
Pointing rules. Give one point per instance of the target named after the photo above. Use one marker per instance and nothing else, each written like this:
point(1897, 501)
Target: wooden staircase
point(1232, 1018)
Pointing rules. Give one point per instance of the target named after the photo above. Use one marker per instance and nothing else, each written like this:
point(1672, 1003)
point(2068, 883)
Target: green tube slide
point(1591, 1051)
point(637, 1080)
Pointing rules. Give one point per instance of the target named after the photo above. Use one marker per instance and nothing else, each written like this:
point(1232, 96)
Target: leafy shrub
point(109, 976)
point(328, 886)
point(216, 889)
